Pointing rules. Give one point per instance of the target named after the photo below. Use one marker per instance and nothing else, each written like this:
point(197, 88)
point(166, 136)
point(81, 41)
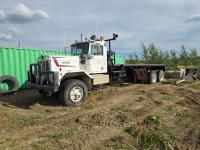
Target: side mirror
point(82, 56)
point(86, 56)
point(89, 56)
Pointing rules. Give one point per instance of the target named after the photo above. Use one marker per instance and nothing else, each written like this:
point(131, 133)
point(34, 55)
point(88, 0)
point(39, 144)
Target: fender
point(82, 75)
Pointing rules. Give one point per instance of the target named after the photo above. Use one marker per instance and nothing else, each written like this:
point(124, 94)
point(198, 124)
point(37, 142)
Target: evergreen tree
point(194, 60)
point(145, 53)
point(174, 60)
point(184, 56)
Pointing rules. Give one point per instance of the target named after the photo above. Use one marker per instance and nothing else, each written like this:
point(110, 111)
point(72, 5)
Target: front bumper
point(46, 88)
point(43, 80)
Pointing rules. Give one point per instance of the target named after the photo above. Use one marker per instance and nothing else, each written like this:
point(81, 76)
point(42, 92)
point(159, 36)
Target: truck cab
point(93, 56)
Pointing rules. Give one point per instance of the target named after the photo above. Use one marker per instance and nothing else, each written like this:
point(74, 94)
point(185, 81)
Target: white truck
point(89, 66)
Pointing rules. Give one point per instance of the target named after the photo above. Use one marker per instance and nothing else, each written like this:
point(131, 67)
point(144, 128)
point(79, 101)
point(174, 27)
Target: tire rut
point(192, 139)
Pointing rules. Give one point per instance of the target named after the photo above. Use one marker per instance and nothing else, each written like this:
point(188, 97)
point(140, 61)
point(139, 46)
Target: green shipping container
point(119, 59)
point(15, 62)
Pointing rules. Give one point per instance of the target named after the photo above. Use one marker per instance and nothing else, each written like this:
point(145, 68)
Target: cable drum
point(11, 83)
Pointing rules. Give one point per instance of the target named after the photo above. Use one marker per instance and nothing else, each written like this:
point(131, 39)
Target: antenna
point(96, 27)
point(64, 37)
point(19, 44)
point(81, 37)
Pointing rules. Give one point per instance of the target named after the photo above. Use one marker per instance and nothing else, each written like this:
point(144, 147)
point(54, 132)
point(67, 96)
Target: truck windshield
point(79, 49)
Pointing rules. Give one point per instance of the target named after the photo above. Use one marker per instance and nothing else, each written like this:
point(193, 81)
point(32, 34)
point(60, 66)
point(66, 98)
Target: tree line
point(173, 59)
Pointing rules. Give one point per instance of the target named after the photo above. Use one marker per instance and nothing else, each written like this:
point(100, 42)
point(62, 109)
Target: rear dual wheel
point(154, 76)
point(161, 76)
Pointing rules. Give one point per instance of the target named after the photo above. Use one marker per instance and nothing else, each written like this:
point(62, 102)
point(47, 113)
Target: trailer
point(90, 65)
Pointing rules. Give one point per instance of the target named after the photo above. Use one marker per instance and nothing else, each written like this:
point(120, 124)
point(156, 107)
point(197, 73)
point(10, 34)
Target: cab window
point(79, 49)
point(97, 49)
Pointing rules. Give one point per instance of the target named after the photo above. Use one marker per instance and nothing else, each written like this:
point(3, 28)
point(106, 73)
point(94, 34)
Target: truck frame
point(91, 65)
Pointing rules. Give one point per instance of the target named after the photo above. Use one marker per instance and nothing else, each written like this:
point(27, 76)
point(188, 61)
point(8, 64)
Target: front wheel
point(73, 92)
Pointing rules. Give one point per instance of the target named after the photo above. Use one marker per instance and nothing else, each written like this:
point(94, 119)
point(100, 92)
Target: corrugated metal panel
point(15, 62)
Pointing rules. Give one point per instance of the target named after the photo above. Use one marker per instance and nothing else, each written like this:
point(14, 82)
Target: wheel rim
point(161, 76)
point(76, 94)
point(154, 77)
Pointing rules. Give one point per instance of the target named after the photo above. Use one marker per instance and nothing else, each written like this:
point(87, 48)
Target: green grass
point(186, 114)
point(172, 110)
point(171, 97)
point(120, 142)
point(53, 140)
point(116, 143)
point(195, 85)
point(96, 93)
point(22, 121)
point(11, 144)
point(152, 138)
point(153, 120)
point(59, 136)
point(152, 134)
point(127, 109)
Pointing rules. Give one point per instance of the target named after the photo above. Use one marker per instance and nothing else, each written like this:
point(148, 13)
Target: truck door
point(98, 63)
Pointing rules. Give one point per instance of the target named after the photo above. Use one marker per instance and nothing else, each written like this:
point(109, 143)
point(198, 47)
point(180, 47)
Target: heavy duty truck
point(13, 73)
point(90, 65)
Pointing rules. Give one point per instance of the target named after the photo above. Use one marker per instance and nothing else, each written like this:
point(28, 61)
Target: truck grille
point(43, 66)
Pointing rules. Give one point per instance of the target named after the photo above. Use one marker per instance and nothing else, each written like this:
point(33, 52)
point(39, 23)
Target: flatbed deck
point(140, 65)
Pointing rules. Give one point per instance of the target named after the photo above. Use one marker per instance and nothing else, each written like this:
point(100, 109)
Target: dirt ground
point(159, 116)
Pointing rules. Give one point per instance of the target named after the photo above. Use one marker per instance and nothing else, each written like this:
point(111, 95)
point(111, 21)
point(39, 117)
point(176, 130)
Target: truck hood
point(65, 63)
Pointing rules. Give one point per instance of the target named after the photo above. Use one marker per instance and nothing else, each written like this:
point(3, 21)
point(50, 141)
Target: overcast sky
point(51, 24)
